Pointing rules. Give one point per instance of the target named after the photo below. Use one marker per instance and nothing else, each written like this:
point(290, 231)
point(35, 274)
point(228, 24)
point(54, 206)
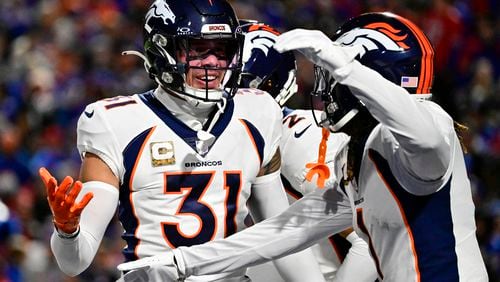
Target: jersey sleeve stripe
point(361, 224)
point(432, 241)
point(131, 156)
point(256, 137)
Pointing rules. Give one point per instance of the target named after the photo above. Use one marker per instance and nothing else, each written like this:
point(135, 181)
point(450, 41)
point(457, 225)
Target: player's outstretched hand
point(61, 198)
point(318, 48)
point(155, 268)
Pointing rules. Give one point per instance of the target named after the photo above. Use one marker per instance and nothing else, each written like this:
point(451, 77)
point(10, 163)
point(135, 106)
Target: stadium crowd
point(56, 56)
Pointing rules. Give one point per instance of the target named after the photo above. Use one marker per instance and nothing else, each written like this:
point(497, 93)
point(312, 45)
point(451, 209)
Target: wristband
point(63, 235)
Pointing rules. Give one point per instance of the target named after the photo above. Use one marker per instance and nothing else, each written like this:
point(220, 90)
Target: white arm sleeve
point(358, 265)
point(269, 199)
point(315, 216)
point(74, 255)
point(422, 133)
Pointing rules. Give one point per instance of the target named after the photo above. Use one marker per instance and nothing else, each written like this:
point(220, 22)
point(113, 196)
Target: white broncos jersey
point(171, 194)
point(412, 199)
point(299, 146)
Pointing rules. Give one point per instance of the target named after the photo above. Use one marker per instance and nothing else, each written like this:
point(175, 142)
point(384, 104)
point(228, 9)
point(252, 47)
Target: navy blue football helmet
point(171, 27)
point(264, 67)
point(394, 47)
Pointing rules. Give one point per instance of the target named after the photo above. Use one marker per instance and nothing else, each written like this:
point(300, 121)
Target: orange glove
point(65, 211)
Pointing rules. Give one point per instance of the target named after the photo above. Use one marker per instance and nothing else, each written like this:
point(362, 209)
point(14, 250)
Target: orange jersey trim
point(132, 175)
point(427, 69)
point(405, 220)
point(249, 132)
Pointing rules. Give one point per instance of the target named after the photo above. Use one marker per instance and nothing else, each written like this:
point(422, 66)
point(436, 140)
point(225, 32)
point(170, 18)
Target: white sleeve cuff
point(267, 178)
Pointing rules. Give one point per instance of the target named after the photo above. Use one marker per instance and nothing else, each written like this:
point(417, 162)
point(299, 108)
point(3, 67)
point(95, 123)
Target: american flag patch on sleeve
point(409, 81)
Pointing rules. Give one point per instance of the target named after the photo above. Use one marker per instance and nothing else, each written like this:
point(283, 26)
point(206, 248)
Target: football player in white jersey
point(184, 163)
point(266, 69)
point(404, 187)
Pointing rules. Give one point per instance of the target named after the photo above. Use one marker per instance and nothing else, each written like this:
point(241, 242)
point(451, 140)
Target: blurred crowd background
point(56, 56)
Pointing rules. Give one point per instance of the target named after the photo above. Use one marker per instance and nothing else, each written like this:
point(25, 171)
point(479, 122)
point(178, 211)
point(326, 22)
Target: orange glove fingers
point(60, 194)
point(77, 208)
point(68, 222)
point(44, 175)
point(73, 193)
point(62, 199)
point(49, 181)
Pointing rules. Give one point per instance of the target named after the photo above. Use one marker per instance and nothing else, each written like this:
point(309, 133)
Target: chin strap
point(205, 138)
point(320, 168)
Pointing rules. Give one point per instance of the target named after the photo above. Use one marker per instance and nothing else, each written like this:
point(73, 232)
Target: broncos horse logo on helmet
point(264, 67)
point(160, 10)
point(393, 46)
point(375, 36)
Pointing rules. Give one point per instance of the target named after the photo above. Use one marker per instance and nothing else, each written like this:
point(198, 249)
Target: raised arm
point(423, 134)
point(80, 217)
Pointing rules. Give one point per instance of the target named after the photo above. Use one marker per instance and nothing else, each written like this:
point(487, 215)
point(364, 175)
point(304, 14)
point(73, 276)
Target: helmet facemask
point(175, 56)
point(340, 105)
